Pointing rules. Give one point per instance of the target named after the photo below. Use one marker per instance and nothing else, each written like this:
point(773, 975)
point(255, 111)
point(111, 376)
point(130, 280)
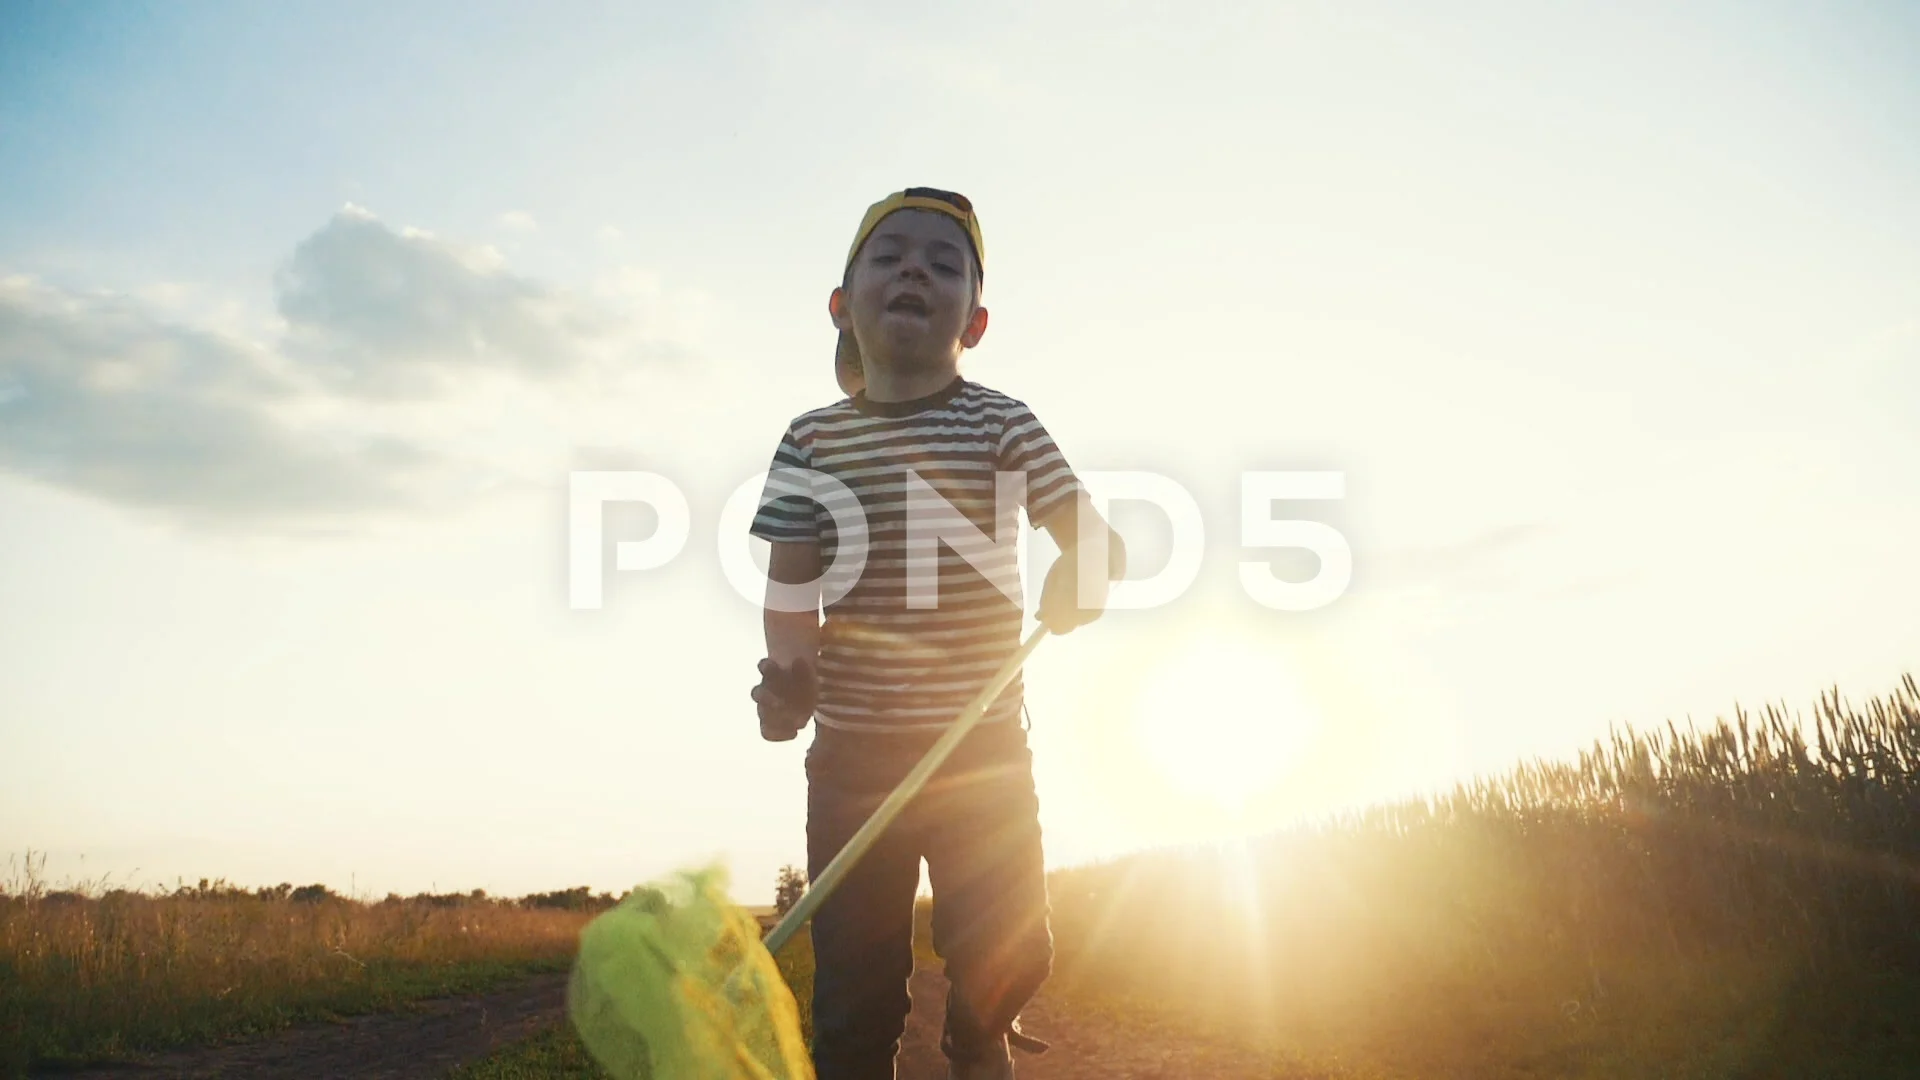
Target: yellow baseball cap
point(846, 356)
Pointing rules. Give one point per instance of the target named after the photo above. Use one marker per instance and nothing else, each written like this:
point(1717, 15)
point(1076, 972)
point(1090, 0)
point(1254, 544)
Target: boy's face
point(909, 297)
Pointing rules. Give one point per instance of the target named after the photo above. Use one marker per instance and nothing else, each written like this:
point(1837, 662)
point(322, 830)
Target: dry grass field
point(87, 973)
point(1738, 902)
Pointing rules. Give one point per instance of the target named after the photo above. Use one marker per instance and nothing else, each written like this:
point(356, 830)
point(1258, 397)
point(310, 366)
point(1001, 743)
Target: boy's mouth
point(908, 303)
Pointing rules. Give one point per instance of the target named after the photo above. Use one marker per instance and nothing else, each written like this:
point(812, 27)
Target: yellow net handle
point(901, 795)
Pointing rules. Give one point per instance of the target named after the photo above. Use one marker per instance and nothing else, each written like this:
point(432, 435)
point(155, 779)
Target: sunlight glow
point(1225, 720)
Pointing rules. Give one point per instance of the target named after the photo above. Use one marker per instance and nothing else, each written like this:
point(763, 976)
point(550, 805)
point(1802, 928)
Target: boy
point(890, 666)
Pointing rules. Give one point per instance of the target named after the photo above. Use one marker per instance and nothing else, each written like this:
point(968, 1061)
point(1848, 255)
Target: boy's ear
point(976, 328)
point(837, 309)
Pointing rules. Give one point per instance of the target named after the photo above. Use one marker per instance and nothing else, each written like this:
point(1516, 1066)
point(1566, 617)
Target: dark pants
point(977, 826)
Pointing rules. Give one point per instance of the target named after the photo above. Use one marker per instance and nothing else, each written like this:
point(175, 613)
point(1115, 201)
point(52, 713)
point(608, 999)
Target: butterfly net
point(674, 983)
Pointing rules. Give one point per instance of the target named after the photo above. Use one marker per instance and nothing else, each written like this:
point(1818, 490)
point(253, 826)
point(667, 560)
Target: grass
point(1737, 902)
point(554, 1054)
point(90, 975)
point(557, 1053)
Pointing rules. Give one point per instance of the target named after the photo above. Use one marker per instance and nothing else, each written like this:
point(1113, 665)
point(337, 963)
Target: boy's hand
point(786, 699)
point(1060, 609)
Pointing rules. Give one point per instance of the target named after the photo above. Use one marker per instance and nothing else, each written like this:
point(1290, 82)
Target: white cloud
point(399, 314)
point(104, 398)
point(518, 221)
point(610, 234)
point(392, 385)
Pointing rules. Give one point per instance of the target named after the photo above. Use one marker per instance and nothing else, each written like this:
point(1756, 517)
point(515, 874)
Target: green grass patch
point(554, 1054)
point(557, 1053)
point(86, 1030)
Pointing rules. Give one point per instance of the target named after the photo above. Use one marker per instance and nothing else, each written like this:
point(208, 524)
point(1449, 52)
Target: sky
point(1609, 317)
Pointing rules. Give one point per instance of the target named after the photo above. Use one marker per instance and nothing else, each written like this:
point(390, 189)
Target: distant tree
point(311, 894)
point(217, 889)
point(578, 898)
point(789, 888)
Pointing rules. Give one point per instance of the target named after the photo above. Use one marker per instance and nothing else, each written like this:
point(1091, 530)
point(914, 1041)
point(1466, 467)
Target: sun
point(1225, 720)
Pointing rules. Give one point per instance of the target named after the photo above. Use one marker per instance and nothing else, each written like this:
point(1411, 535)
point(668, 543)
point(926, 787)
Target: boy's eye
point(884, 260)
point(944, 268)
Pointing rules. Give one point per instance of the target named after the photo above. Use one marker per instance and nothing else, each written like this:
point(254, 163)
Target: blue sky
point(1611, 319)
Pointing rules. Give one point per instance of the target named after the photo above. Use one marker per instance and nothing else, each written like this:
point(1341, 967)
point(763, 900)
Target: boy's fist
point(786, 698)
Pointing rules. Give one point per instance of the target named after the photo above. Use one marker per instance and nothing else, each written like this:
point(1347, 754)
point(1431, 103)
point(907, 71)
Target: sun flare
point(1225, 720)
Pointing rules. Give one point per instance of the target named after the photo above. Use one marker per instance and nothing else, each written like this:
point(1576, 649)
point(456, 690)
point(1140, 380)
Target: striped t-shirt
point(908, 642)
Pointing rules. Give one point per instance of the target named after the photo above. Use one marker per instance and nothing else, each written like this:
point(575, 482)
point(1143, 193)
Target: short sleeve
point(787, 512)
point(1025, 447)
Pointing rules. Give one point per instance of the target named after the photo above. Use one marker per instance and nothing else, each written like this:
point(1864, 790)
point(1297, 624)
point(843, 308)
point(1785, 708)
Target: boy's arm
point(1074, 594)
point(1057, 503)
point(788, 684)
point(788, 520)
point(793, 635)
point(1079, 524)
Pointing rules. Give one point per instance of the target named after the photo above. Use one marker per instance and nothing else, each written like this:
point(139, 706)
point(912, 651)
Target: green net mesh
point(674, 984)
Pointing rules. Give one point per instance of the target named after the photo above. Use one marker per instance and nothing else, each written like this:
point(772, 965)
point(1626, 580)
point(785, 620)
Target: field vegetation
point(89, 973)
point(1741, 901)
point(1736, 902)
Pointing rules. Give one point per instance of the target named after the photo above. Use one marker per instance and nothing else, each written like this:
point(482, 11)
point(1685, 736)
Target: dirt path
point(426, 1041)
point(1115, 1046)
point(420, 1043)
